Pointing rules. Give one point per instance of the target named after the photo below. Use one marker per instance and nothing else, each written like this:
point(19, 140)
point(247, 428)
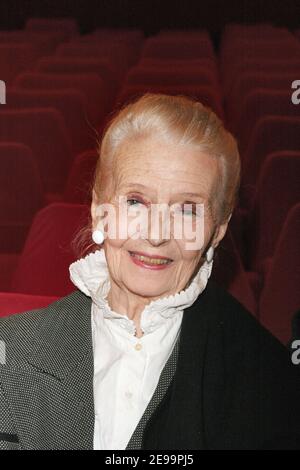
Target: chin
point(143, 289)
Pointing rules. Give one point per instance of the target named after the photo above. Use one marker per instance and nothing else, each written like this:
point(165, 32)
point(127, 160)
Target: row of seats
point(258, 65)
point(53, 112)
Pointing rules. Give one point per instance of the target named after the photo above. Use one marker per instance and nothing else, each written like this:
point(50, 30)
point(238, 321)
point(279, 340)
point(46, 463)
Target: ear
point(220, 232)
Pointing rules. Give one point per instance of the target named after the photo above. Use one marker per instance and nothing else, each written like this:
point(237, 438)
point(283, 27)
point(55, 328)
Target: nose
point(159, 226)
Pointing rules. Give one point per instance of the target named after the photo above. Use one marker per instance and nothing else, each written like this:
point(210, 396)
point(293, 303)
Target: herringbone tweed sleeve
point(46, 377)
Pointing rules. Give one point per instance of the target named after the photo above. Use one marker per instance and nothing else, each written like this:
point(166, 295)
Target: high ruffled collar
point(90, 274)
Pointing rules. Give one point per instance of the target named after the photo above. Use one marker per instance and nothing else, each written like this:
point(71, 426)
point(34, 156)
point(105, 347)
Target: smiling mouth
point(149, 260)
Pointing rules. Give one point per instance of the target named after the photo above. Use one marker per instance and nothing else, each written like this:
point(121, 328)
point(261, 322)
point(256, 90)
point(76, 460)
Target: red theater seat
point(119, 53)
point(18, 303)
point(271, 133)
point(90, 85)
point(102, 67)
point(206, 63)
point(172, 76)
point(229, 272)
point(14, 58)
point(21, 194)
point(133, 39)
point(171, 48)
point(43, 43)
point(280, 298)
point(8, 264)
point(44, 131)
point(265, 65)
point(271, 48)
point(70, 103)
point(278, 189)
point(43, 265)
point(260, 103)
point(248, 82)
point(78, 187)
point(205, 94)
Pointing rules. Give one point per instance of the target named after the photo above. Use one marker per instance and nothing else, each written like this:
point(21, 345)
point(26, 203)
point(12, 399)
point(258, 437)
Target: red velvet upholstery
point(249, 81)
point(172, 76)
point(21, 194)
point(102, 67)
point(14, 58)
point(280, 297)
point(258, 104)
point(229, 272)
point(90, 85)
point(278, 190)
point(206, 94)
point(79, 183)
point(18, 303)
point(271, 133)
point(170, 47)
point(70, 103)
point(44, 131)
point(43, 265)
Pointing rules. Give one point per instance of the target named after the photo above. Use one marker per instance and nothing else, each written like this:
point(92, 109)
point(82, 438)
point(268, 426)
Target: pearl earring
point(210, 254)
point(98, 237)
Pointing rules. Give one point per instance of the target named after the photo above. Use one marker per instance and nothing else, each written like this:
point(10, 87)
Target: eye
point(133, 201)
point(189, 208)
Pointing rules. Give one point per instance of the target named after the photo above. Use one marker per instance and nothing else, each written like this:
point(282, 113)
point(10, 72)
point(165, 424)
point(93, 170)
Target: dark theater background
point(66, 66)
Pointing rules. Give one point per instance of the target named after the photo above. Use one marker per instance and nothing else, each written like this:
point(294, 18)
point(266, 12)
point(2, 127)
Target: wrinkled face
point(151, 174)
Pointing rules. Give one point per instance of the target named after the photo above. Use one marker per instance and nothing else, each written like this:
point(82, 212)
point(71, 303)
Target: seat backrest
point(169, 47)
point(280, 297)
point(205, 94)
point(187, 76)
point(91, 85)
point(11, 303)
point(119, 53)
point(14, 58)
point(229, 272)
point(248, 82)
point(271, 133)
point(70, 103)
point(44, 42)
point(278, 189)
point(268, 65)
point(64, 65)
point(78, 187)
point(44, 131)
point(21, 194)
point(259, 103)
point(43, 264)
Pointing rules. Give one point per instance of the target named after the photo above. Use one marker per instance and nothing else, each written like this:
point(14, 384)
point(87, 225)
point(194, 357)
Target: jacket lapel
point(179, 420)
point(51, 389)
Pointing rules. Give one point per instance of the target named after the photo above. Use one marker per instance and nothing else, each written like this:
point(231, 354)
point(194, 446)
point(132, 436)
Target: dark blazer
point(234, 387)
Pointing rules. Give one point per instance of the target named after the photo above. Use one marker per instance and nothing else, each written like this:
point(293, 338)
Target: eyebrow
point(185, 194)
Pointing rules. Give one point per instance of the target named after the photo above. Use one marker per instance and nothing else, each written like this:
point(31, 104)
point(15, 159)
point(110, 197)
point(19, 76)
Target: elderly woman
point(148, 353)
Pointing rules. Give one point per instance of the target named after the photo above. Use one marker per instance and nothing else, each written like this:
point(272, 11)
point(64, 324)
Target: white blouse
point(127, 368)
